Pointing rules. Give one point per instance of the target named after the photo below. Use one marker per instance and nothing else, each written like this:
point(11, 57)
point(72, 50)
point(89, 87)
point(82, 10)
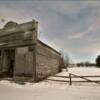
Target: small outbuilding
point(23, 56)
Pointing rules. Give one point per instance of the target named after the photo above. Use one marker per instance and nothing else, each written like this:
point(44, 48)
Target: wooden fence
point(72, 76)
point(83, 77)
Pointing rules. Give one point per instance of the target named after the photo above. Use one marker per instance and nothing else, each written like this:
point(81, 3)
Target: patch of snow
point(50, 90)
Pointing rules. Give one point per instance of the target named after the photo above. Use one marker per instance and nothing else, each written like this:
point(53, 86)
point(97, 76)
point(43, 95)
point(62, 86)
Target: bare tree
point(62, 63)
point(65, 58)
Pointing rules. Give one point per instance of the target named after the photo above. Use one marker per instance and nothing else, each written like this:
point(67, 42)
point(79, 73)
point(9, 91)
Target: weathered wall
point(0, 61)
point(24, 64)
point(40, 61)
point(5, 63)
point(18, 34)
point(47, 62)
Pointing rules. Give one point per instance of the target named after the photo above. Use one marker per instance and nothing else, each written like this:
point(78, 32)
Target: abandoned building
point(23, 57)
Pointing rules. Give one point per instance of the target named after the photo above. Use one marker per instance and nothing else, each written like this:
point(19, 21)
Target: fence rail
point(72, 80)
point(72, 76)
point(77, 76)
point(82, 77)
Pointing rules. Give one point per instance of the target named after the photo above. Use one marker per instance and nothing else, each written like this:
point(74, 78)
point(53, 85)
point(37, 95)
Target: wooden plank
point(20, 27)
point(57, 80)
point(86, 79)
point(72, 80)
point(76, 76)
point(62, 76)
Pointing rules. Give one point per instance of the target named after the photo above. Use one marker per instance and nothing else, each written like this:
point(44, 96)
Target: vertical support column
point(14, 70)
point(1, 57)
point(70, 80)
point(34, 64)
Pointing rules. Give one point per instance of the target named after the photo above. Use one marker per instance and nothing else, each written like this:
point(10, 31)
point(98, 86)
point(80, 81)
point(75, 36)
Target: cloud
point(66, 25)
point(94, 26)
point(90, 29)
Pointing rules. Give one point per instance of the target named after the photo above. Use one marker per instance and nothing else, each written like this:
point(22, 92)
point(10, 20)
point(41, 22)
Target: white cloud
point(92, 28)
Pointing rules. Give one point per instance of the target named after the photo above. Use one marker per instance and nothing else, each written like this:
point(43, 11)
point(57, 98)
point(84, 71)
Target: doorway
point(11, 62)
point(8, 62)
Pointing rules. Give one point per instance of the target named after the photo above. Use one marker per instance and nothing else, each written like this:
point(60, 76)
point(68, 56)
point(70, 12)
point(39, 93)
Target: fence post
point(70, 80)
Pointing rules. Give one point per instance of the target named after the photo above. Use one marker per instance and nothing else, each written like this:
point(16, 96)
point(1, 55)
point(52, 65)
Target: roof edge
point(48, 46)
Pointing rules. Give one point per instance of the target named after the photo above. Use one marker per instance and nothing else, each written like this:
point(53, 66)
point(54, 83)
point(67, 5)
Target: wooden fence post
point(70, 80)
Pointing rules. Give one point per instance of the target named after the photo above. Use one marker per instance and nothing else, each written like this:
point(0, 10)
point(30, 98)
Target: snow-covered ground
point(49, 90)
point(82, 71)
point(79, 71)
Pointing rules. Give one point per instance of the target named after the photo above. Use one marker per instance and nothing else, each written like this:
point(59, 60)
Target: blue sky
point(70, 26)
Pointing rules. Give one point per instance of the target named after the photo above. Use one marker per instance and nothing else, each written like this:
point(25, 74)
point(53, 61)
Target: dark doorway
point(8, 62)
point(11, 62)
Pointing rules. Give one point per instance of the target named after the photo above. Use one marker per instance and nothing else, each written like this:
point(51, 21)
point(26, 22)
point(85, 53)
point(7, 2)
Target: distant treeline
point(86, 65)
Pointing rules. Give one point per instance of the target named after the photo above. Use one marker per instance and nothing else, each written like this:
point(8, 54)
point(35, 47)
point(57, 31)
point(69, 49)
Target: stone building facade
point(22, 56)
